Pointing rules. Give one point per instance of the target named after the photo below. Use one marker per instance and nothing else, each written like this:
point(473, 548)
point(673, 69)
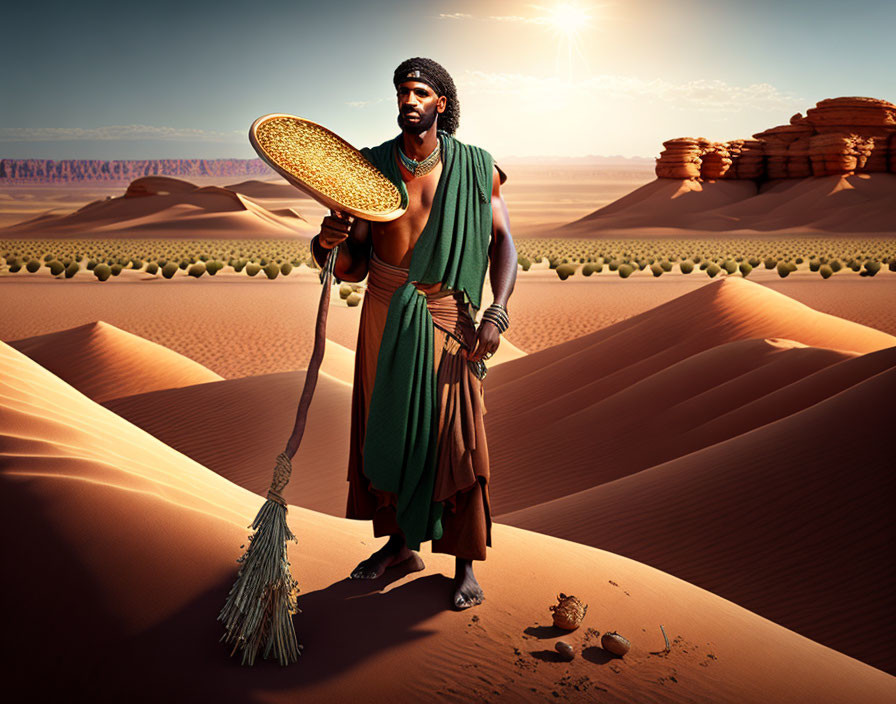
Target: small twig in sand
point(666, 650)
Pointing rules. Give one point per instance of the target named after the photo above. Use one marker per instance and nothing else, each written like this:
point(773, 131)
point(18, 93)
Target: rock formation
point(837, 136)
point(681, 158)
point(69, 170)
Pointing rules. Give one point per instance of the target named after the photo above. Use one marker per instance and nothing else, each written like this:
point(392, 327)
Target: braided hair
point(429, 72)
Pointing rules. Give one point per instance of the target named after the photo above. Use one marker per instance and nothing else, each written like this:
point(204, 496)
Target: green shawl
point(400, 447)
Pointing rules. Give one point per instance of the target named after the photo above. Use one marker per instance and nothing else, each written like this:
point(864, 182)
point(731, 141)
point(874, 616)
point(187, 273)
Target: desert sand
point(706, 454)
point(846, 204)
point(143, 541)
point(161, 206)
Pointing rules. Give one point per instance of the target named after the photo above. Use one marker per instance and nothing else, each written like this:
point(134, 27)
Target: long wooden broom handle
point(317, 355)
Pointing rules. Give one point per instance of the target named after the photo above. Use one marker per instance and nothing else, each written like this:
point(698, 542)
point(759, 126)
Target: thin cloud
point(714, 95)
point(455, 16)
point(112, 133)
point(360, 104)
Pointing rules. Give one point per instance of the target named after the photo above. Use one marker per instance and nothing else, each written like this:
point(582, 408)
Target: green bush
point(745, 269)
point(169, 270)
point(613, 265)
point(666, 265)
point(825, 271)
point(713, 269)
point(892, 264)
point(32, 265)
point(592, 267)
point(285, 268)
point(524, 263)
point(15, 265)
point(754, 261)
point(771, 263)
point(871, 267)
point(656, 269)
point(729, 265)
point(686, 266)
point(197, 269)
point(102, 271)
point(116, 269)
point(783, 269)
point(564, 271)
point(836, 265)
point(252, 268)
point(72, 269)
point(625, 270)
point(183, 264)
point(152, 268)
point(814, 264)
point(56, 267)
point(271, 270)
point(239, 264)
point(353, 300)
point(90, 264)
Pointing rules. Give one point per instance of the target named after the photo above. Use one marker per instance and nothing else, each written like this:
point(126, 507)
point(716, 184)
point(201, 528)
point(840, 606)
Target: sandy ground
point(540, 197)
point(134, 545)
point(707, 454)
point(237, 326)
point(690, 368)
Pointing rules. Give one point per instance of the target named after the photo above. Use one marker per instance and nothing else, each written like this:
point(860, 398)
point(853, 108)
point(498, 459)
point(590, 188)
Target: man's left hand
point(487, 340)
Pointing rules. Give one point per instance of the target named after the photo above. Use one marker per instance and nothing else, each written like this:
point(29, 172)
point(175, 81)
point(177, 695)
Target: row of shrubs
point(104, 269)
point(625, 269)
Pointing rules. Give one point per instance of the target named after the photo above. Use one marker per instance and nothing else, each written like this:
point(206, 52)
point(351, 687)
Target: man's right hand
point(334, 229)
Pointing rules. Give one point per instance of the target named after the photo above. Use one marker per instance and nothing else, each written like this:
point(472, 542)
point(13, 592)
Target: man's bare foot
point(394, 552)
point(467, 591)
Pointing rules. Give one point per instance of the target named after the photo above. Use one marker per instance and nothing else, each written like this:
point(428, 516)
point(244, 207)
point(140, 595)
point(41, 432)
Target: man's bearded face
point(418, 107)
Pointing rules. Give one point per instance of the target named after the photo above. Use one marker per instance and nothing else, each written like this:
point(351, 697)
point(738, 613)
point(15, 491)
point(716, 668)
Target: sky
point(185, 79)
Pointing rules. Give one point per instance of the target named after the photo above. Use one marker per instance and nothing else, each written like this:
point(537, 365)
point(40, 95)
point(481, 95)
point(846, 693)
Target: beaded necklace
point(423, 167)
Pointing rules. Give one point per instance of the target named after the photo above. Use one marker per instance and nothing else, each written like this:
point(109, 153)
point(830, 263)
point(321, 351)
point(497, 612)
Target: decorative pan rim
point(301, 185)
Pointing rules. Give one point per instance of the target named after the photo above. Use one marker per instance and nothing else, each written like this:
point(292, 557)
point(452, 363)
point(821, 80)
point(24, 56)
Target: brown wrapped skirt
point(462, 468)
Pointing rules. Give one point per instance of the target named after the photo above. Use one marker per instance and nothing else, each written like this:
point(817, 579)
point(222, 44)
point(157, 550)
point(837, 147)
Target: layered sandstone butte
point(716, 161)
point(681, 158)
point(73, 170)
point(837, 136)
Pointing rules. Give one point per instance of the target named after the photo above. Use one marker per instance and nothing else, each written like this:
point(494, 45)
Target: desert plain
point(709, 454)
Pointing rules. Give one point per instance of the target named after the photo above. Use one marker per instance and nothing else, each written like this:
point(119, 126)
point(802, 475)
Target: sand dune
point(160, 206)
point(278, 189)
point(238, 427)
point(665, 371)
point(792, 520)
point(105, 362)
point(134, 545)
point(859, 203)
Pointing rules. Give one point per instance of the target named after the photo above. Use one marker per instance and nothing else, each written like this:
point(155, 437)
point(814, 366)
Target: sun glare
point(567, 18)
point(567, 21)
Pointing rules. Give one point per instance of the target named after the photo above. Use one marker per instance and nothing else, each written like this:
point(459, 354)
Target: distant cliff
point(74, 170)
point(838, 136)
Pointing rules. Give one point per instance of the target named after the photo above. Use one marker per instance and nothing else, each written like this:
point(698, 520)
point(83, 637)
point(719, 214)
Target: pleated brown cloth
point(462, 466)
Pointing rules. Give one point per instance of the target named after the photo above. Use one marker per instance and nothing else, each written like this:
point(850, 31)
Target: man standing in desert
point(418, 460)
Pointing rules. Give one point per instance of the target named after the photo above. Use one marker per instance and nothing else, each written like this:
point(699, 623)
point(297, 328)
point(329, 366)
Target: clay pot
point(565, 650)
point(569, 612)
point(615, 643)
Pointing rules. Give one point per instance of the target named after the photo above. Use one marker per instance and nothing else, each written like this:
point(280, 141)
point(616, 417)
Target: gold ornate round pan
point(325, 166)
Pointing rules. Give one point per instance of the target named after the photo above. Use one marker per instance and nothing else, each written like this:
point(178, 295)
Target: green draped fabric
point(400, 447)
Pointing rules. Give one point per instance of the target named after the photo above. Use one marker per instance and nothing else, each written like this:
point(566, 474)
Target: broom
point(259, 608)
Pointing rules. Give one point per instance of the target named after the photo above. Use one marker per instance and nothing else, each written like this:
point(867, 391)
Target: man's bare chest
point(394, 241)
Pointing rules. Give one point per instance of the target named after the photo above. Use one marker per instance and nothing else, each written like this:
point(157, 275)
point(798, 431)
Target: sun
point(566, 18)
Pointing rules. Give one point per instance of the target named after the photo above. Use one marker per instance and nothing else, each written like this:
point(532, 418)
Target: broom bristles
point(259, 607)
